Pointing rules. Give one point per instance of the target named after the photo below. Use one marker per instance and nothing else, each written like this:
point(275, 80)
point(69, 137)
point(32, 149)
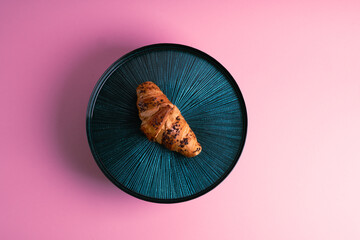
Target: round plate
point(208, 98)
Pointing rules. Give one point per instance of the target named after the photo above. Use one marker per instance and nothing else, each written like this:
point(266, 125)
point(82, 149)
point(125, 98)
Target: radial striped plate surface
point(207, 96)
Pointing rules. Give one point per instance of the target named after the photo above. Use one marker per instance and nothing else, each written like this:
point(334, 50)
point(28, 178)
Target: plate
point(208, 98)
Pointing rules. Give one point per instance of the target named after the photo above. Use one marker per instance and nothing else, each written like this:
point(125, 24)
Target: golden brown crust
point(162, 121)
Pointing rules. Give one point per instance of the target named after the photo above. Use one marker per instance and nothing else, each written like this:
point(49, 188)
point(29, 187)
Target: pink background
point(296, 62)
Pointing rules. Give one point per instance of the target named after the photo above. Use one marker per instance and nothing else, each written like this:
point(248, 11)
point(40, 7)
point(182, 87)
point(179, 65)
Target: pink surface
point(296, 62)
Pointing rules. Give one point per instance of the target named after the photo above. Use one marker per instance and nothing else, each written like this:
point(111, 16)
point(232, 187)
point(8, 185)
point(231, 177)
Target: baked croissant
point(162, 121)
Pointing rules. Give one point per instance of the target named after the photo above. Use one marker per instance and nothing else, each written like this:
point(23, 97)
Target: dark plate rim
point(117, 64)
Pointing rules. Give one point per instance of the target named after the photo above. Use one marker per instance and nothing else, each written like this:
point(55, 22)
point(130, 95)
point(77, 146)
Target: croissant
point(162, 121)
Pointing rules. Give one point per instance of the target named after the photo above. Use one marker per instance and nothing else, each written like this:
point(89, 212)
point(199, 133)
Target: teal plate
point(207, 96)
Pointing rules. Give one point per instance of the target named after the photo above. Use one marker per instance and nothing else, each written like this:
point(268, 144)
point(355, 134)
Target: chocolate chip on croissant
point(162, 121)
